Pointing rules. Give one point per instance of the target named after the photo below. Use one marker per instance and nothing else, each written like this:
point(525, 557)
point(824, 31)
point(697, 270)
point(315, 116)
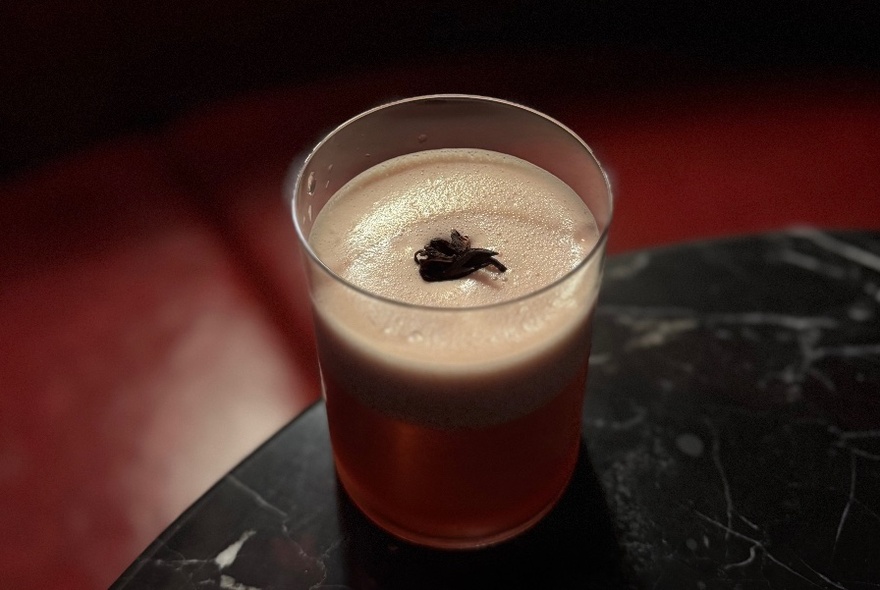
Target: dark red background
point(153, 322)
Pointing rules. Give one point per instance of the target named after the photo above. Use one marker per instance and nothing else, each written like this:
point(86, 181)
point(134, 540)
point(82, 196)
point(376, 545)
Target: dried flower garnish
point(446, 260)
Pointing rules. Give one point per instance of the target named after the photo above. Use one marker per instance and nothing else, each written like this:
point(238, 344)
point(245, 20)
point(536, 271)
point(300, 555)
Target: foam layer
point(370, 230)
point(452, 365)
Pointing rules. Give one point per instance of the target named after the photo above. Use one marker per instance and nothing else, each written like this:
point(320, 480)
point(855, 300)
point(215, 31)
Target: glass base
point(454, 543)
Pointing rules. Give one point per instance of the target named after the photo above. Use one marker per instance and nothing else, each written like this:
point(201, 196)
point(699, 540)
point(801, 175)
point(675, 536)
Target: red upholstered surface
point(154, 321)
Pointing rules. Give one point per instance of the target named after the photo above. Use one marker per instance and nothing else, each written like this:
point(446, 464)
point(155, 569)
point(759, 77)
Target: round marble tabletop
point(731, 440)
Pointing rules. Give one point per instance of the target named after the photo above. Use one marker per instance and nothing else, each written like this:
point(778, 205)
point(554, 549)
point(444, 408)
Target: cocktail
point(454, 247)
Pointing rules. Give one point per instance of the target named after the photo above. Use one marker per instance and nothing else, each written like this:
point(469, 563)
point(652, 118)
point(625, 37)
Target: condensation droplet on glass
point(367, 155)
point(327, 184)
point(330, 168)
point(310, 184)
point(422, 138)
point(415, 336)
point(310, 212)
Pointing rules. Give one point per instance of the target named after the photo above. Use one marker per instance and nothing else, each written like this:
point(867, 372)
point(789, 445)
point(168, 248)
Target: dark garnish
point(446, 260)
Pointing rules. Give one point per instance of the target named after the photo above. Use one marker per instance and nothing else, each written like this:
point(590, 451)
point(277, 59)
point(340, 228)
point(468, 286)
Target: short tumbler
point(455, 422)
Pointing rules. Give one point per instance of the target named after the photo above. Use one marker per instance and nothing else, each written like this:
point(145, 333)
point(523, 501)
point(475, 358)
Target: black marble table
point(731, 440)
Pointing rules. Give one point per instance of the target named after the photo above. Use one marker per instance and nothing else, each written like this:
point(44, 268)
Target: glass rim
point(304, 242)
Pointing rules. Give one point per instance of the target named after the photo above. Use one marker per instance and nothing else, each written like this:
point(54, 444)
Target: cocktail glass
point(437, 450)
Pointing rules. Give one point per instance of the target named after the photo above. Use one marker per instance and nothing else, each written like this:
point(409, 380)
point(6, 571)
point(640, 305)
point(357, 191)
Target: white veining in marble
point(843, 249)
point(256, 497)
point(634, 265)
point(230, 583)
point(846, 508)
point(757, 545)
point(227, 557)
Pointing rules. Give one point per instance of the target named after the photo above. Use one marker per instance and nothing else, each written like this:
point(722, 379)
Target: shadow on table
point(575, 546)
